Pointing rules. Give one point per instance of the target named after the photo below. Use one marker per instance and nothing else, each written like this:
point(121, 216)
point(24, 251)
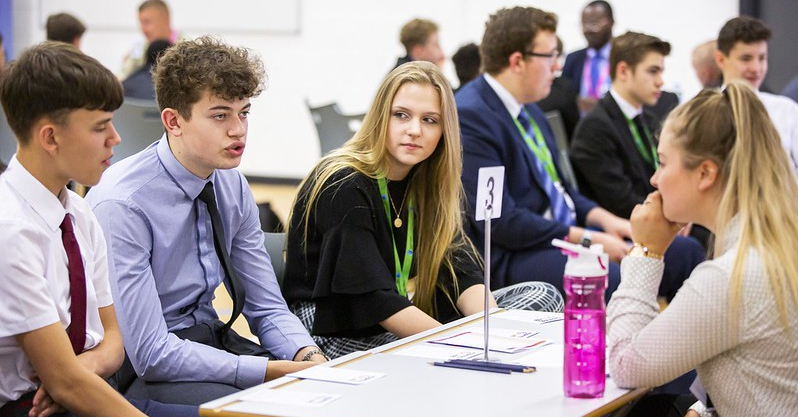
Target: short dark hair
point(154, 4)
point(604, 4)
point(466, 62)
point(416, 32)
point(743, 29)
point(189, 68)
point(509, 31)
point(52, 79)
point(63, 27)
point(632, 47)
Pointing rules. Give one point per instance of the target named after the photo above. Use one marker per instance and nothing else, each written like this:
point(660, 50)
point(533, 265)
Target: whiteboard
point(188, 16)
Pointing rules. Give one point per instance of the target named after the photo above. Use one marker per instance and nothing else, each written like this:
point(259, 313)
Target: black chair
point(334, 127)
point(138, 123)
point(275, 246)
point(558, 127)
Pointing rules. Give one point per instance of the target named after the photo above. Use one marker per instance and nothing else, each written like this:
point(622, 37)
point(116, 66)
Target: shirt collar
point(191, 184)
point(627, 108)
point(603, 52)
point(512, 106)
point(50, 208)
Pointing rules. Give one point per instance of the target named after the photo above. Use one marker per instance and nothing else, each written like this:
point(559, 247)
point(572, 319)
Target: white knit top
point(750, 372)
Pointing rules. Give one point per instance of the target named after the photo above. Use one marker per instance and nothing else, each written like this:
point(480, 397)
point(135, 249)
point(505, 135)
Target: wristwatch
point(587, 238)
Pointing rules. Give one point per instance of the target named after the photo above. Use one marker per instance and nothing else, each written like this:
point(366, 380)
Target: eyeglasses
point(551, 56)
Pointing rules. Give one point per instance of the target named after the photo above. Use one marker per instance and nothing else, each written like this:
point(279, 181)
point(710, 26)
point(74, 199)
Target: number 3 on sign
point(490, 186)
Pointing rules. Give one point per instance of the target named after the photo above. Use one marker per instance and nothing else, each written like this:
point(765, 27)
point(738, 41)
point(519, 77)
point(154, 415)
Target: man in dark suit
point(500, 127)
point(613, 150)
point(588, 68)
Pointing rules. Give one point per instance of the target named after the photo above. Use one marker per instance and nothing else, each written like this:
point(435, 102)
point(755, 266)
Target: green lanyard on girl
point(538, 147)
point(403, 269)
point(651, 158)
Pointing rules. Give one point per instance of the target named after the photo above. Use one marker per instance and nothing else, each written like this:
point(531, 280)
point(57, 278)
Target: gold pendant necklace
point(397, 222)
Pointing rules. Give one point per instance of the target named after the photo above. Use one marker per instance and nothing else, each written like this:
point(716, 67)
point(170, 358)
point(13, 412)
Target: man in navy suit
point(589, 68)
point(500, 127)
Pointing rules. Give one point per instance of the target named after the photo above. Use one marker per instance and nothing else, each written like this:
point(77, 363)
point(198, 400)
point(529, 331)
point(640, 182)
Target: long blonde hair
point(435, 185)
point(732, 128)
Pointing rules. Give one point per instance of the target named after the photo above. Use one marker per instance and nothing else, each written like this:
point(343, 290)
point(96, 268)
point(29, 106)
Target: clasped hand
point(650, 227)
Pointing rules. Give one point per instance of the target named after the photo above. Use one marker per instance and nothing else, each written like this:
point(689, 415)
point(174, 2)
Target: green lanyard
point(651, 158)
point(403, 269)
point(538, 147)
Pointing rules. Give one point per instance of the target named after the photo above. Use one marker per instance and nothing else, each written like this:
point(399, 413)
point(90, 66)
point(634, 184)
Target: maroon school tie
point(77, 287)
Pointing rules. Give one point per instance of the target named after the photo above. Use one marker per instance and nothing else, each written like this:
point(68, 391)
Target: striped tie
point(559, 208)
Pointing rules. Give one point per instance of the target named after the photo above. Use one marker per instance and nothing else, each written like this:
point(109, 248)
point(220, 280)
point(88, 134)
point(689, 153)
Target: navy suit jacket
point(490, 138)
point(574, 66)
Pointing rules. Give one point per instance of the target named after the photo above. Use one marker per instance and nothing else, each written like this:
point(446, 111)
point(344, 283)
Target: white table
point(412, 386)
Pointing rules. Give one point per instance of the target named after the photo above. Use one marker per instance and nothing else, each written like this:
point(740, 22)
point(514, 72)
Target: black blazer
point(490, 138)
point(608, 166)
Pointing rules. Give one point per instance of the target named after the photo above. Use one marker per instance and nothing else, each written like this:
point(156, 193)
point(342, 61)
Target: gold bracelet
point(646, 253)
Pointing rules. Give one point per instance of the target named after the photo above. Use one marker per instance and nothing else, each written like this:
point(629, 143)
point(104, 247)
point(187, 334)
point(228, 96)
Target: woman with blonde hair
point(735, 319)
point(376, 248)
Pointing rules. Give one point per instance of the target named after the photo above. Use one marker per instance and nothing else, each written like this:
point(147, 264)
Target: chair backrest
point(561, 136)
point(275, 246)
point(138, 123)
point(8, 141)
point(334, 128)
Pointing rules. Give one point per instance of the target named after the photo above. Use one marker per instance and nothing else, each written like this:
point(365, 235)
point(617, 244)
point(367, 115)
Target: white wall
point(340, 50)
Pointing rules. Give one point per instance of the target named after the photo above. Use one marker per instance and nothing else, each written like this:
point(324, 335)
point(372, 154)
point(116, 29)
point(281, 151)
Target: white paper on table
point(497, 343)
point(438, 352)
point(518, 334)
point(283, 396)
point(550, 356)
point(526, 316)
point(343, 376)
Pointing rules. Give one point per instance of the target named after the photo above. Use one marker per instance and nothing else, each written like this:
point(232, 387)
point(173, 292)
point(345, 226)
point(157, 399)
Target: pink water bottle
point(584, 281)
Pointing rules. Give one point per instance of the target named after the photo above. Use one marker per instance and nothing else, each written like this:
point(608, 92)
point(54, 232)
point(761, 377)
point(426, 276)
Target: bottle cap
point(582, 261)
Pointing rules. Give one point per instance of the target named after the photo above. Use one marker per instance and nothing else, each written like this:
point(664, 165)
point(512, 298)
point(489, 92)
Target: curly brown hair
point(52, 79)
point(189, 68)
point(509, 31)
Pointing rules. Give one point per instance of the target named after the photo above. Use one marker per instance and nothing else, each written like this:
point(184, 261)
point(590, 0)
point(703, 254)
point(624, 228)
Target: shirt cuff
point(251, 371)
point(642, 273)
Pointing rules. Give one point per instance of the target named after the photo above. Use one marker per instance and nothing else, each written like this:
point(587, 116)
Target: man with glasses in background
point(501, 125)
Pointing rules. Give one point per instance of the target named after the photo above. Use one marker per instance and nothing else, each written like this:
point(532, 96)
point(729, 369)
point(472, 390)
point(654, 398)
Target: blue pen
point(496, 365)
point(471, 367)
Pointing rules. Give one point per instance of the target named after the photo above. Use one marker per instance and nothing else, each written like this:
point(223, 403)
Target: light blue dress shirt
point(164, 269)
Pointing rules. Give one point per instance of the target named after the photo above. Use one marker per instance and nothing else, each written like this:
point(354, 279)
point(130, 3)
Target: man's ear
point(515, 60)
point(415, 51)
point(172, 121)
point(622, 71)
point(44, 133)
point(709, 174)
point(720, 59)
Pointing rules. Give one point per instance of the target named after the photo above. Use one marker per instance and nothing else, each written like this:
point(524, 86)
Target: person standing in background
point(589, 68)
point(155, 23)
point(420, 39)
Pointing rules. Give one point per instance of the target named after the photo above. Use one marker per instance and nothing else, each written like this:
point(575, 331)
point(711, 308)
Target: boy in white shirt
point(59, 335)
